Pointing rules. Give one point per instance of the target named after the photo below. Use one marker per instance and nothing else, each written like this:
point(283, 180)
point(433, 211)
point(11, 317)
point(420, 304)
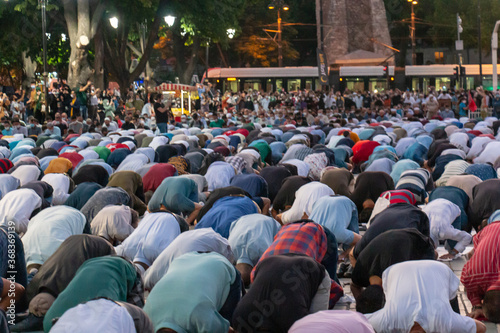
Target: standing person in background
point(94, 102)
point(161, 114)
point(81, 95)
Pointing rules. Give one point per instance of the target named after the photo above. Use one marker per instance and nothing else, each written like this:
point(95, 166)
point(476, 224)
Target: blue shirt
point(224, 212)
point(55, 131)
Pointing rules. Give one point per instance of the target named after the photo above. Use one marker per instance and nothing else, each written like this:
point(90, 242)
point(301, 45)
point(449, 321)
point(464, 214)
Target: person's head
point(370, 300)
point(16, 123)
point(104, 131)
point(6, 124)
point(107, 121)
point(491, 306)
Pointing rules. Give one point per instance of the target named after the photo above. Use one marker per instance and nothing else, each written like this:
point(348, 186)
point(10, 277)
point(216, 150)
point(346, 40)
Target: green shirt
point(217, 123)
point(110, 276)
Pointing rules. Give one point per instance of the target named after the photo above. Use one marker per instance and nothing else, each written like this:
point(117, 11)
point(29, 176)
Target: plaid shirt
point(306, 238)
point(482, 272)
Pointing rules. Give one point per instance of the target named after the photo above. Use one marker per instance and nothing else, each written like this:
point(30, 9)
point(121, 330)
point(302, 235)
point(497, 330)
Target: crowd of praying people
point(242, 225)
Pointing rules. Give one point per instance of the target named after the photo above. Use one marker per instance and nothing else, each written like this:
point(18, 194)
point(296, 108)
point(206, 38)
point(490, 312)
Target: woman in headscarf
point(264, 150)
point(178, 195)
point(362, 151)
point(17, 207)
point(225, 211)
point(83, 192)
point(219, 174)
point(338, 179)
point(155, 176)
point(131, 182)
point(91, 173)
point(117, 157)
point(62, 186)
point(114, 223)
point(165, 152)
point(400, 167)
point(26, 173)
point(44, 191)
point(305, 198)
point(339, 215)
point(181, 164)
point(380, 165)
point(58, 271)
point(369, 186)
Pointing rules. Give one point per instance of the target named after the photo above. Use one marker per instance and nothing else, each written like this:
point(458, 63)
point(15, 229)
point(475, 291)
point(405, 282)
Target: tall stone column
point(350, 26)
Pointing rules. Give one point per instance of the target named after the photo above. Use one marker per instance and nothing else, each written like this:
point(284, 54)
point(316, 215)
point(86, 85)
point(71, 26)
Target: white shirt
point(420, 291)
point(26, 173)
point(305, 198)
point(205, 239)
point(154, 233)
point(17, 206)
point(442, 213)
point(48, 229)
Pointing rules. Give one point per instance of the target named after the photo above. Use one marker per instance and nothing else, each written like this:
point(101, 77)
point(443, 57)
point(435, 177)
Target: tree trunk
point(29, 70)
point(99, 60)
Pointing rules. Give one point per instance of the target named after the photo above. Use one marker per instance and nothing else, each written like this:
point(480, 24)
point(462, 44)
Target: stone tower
point(351, 26)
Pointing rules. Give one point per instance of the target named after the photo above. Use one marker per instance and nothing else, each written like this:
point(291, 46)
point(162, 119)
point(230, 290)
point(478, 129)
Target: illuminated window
point(439, 57)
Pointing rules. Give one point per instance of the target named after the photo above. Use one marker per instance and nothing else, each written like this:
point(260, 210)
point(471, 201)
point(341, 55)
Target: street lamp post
point(280, 5)
point(479, 49)
point(43, 4)
point(412, 32)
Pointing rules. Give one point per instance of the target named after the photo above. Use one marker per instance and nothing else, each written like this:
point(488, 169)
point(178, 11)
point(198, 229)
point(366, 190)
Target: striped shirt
point(453, 168)
point(415, 181)
point(482, 272)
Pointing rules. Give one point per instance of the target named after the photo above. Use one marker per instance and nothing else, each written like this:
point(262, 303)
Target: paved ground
point(457, 266)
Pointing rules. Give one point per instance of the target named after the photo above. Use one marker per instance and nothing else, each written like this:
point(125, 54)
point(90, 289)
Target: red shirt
point(482, 272)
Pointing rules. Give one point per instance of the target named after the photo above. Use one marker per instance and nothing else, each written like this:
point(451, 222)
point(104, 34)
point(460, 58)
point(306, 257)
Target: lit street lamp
point(169, 20)
point(412, 32)
point(280, 5)
point(114, 22)
point(231, 33)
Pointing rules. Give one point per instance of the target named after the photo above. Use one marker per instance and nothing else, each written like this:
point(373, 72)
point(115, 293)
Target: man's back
point(419, 292)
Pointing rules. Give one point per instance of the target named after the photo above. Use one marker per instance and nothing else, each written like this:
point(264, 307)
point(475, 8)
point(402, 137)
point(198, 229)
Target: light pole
point(280, 5)
point(412, 32)
point(479, 42)
point(494, 52)
point(43, 4)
